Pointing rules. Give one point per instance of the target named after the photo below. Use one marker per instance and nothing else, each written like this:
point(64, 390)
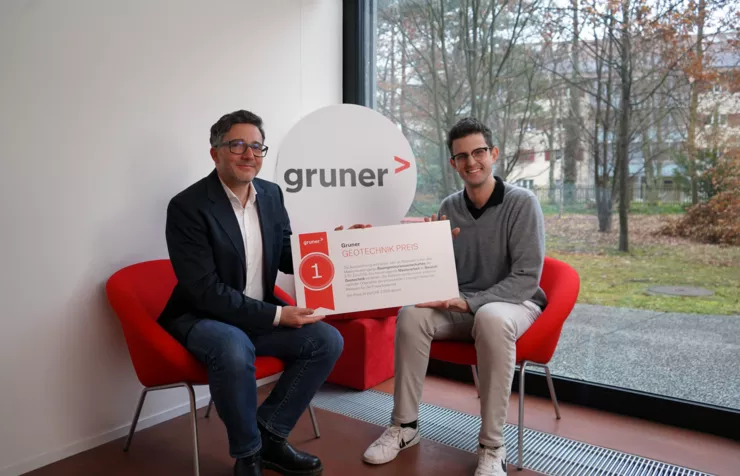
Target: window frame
point(358, 33)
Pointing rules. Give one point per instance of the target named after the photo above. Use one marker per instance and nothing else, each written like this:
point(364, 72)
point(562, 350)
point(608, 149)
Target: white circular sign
point(342, 165)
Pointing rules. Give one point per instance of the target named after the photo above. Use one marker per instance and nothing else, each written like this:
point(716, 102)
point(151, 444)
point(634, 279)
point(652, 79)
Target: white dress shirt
point(249, 224)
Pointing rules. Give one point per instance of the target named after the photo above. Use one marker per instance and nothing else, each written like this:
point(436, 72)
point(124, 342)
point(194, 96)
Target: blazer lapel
point(224, 214)
point(263, 212)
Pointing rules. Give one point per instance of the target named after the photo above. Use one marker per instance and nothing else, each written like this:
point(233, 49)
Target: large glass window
point(624, 119)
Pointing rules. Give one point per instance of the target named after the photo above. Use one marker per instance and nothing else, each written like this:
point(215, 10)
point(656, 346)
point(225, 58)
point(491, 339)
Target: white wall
point(105, 110)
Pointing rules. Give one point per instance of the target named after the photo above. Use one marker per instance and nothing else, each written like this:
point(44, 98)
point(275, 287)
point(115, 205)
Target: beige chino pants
point(495, 329)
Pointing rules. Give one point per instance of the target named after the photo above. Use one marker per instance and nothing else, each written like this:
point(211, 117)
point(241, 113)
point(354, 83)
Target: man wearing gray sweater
point(499, 249)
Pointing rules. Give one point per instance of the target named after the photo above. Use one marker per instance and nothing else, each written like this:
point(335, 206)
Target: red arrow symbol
point(404, 164)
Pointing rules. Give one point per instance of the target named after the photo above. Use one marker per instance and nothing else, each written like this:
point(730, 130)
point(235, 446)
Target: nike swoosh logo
point(403, 443)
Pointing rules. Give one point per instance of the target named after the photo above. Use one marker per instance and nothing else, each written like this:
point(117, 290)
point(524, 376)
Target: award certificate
point(374, 268)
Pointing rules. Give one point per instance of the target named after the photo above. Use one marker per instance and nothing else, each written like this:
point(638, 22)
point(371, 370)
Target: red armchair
point(561, 284)
point(137, 294)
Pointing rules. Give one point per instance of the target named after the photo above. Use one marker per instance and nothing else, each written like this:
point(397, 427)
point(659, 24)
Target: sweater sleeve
point(526, 246)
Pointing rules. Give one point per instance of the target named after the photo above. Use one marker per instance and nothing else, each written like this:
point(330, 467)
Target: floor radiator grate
point(544, 453)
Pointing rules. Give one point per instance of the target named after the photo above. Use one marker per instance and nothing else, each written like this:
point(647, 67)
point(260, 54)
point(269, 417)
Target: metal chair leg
point(520, 448)
point(313, 421)
point(194, 421)
point(208, 410)
point(131, 430)
point(551, 387)
point(475, 379)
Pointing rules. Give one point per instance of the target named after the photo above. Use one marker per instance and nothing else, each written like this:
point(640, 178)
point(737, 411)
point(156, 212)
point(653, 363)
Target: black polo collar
point(496, 198)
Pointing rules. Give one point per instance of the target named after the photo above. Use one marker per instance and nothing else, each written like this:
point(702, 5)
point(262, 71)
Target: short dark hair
point(224, 125)
point(468, 126)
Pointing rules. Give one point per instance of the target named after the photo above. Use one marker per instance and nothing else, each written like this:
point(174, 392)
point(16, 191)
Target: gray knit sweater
point(499, 256)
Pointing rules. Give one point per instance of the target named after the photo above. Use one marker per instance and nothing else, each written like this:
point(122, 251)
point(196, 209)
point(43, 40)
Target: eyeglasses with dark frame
point(477, 154)
point(239, 146)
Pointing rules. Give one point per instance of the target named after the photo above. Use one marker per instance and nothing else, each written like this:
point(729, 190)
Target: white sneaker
point(393, 440)
point(491, 462)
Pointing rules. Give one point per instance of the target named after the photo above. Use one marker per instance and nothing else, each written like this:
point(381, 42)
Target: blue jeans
point(309, 354)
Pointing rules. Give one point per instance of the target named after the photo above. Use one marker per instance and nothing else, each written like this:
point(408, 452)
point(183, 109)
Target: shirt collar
point(496, 198)
point(251, 198)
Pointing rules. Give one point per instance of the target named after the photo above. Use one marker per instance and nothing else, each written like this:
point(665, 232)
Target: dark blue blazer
point(207, 252)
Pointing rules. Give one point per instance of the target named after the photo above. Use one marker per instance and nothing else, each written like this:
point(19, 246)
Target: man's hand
point(454, 305)
point(455, 231)
point(292, 316)
point(353, 227)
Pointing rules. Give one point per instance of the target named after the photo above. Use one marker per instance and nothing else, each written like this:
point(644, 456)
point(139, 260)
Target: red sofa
point(369, 337)
point(367, 359)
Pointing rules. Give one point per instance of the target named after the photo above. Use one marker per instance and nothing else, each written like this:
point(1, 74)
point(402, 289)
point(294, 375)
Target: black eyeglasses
point(239, 146)
point(477, 154)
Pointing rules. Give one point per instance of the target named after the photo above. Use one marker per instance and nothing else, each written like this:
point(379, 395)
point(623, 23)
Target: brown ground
point(579, 234)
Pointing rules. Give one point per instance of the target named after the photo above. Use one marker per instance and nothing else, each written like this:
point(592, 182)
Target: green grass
point(645, 208)
point(640, 208)
point(430, 205)
point(621, 280)
point(578, 209)
point(612, 278)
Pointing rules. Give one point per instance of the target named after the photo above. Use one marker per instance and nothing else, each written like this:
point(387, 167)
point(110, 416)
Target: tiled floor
point(167, 448)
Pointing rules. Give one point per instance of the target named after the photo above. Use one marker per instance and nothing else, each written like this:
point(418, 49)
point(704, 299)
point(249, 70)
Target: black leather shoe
point(249, 466)
point(280, 456)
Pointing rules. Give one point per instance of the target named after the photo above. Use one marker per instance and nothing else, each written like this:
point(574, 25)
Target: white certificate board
point(374, 268)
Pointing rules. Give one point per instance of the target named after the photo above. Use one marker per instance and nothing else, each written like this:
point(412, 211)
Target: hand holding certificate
point(362, 269)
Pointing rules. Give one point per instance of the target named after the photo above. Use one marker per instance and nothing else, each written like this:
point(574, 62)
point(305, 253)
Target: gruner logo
point(296, 179)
